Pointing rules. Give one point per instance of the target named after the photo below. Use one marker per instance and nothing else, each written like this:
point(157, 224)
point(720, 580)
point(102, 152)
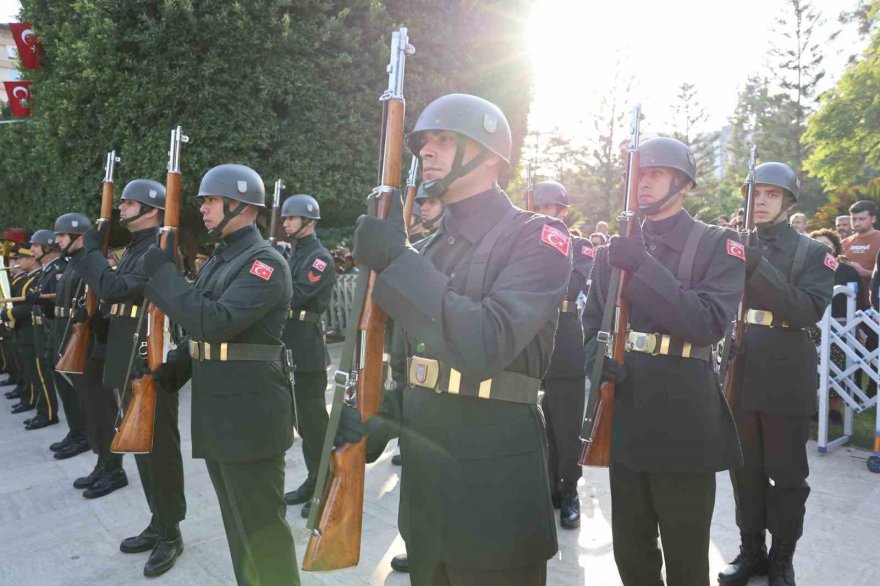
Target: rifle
point(135, 434)
point(411, 188)
point(73, 358)
point(276, 210)
point(737, 331)
point(46, 296)
point(530, 188)
point(596, 430)
point(337, 508)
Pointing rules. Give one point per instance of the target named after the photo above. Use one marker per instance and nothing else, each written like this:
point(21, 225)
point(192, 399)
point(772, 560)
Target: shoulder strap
point(800, 258)
point(686, 263)
point(476, 275)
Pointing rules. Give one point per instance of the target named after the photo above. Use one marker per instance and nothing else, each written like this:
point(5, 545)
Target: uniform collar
point(672, 232)
point(141, 235)
point(474, 216)
point(305, 241)
point(233, 243)
point(54, 263)
point(778, 234)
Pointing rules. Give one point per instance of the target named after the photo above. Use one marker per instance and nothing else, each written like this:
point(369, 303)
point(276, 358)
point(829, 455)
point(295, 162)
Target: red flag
point(19, 93)
point(30, 51)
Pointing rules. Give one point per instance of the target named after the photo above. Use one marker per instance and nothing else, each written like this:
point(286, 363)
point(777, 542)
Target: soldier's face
point(430, 209)
point(862, 222)
point(212, 211)
point(292, 224)
point(438, 155)
point(768, 202)
point(63, 240)
point(654, 184)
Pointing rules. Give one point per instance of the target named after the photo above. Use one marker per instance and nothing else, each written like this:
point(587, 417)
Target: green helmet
point(301, 205)
point(145, 191)
point(778, 174)
point(72, 223)
point(550, 193)
point(235, 182)
point(668, 152)
point(45, 238)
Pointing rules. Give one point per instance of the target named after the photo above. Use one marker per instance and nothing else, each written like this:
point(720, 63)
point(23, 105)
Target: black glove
point(80, 313)
point(378, 242)
point(753, 257)
point(612, 372)
point(174, 372)
point(33, 295)
point(283, 247)
point(351, 427)
point(94, 236)
point(155, 258)
point(627, 253)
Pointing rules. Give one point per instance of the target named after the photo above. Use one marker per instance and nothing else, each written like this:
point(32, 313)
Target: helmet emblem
point(74, 223)
point(797, 182)
point(153, 194)
point(490, 123)
point(310, 207)
point(242, 186)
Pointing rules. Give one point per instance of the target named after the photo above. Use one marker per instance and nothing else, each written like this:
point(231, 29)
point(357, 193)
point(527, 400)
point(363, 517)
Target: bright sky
point(712, 44)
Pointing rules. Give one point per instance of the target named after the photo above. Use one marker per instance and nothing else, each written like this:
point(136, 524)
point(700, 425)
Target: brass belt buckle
point(424, 372)
point(194, 350)
point(642, 342)
point(760, 317)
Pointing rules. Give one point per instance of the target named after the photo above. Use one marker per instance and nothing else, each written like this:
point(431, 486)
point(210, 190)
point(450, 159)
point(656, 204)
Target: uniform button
point(450, 240)
point(764, 247)
point(653, 247)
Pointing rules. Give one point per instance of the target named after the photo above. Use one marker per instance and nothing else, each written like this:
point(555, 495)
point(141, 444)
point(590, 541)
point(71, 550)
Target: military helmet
point(72, 223)
point(145, 191)
point(778, 174)
point(236, 182)
point(301, 205)
point(551, 192)
point(470, 116)
point(45, 238)
point(668, 152)
point(421, 194)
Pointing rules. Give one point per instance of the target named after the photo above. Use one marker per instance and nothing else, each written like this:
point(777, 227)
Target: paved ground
point(50, 535)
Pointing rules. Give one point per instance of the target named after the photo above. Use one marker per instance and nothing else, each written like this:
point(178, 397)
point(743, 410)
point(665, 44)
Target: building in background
point(8, 59)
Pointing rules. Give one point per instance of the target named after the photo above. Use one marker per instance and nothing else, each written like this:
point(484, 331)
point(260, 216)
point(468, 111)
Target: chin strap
point(144, 210)
point(438, 187)
point(73, 238)
point(303, 225)
point(782, 211)
point(39, 259)
point(228, 215)
point(428, 224)
point(657, 206)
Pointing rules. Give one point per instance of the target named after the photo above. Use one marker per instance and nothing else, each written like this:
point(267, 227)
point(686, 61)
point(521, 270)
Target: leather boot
point(301, 494)
point(144, 541)
point(76, 447)
point(570, 511)
point(781, 563)
point(22, 407)
point(13, 394)
point(110, 481)
point(39, 422)
point(87, 481)
point(751, 561)
point(165, 554)
point(400, 563)
point(58, 446)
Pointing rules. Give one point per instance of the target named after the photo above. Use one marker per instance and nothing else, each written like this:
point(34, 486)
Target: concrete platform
point(50, 535)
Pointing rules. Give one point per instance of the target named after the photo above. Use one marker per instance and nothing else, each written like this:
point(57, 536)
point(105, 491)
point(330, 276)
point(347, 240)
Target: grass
point(863, 430)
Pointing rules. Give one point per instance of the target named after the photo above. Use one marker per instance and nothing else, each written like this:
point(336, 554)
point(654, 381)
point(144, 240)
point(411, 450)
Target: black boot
point(39, 422)
point(87, 481)
point(144, 541)
point(301, 494)
point(781, 566)
point(570, 510)
point(22, 407)
point(168, 548)
point(556, 499)
point(13, 394)
point(400, 563)
point(77, 446)
point(307, 508)
point(58, 446)
point(110, 481)
point(751, 561)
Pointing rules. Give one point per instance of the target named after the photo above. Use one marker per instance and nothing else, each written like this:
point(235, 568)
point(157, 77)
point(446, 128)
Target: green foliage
point(840, 201)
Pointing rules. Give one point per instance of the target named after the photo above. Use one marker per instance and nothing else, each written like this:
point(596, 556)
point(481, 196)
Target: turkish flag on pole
point(19, 93)
point(30, 51)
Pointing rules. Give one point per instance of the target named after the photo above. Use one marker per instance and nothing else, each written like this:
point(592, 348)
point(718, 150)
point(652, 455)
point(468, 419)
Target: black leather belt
point(431, 374)
point(761, 317)
point(569, 306)
point(303, 315)
point(227, 352)
point(125, 310)
point(61, 311)
point(666, 345)
point(38, 320)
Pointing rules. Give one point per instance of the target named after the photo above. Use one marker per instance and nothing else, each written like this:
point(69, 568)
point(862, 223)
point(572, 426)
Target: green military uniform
point(21, 344)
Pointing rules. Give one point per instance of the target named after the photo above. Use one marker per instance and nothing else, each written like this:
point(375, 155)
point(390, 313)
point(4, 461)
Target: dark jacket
point(70, 290)
point(568, 350)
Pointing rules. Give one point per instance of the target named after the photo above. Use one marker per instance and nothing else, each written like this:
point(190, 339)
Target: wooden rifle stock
point(135, 434)
point(45, 296)
point(336, 541)
point(76, 352)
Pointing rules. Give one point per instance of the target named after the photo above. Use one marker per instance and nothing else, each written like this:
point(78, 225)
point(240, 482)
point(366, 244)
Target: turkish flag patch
point(830, 261)
point(736, 249)
point(319, 265)
point(587, 251)
point(556, 239)
point(313, 278)
point(262, 270)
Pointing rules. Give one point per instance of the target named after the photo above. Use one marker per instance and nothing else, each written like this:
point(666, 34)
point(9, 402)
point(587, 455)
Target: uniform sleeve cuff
point(411, 291)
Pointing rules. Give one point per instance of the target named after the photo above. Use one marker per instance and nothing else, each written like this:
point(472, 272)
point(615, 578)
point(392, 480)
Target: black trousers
point(311, 415)
point(563, 406)
point(28, 356)
point(678, 508)
point(771, 488)
point(44, 387)
point(424, 573)
point(161, 470)
point(70, 404)
point(251, 499)
point(99, 411)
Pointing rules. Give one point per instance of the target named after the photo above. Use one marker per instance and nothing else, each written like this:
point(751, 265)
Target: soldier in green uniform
point(242, 405)
point(21, 322)
point(313, 272)
point(22, 391)
point(672, 429)
point(789, 280)
point(563, 400)
point(479, 305)
point(121, 294)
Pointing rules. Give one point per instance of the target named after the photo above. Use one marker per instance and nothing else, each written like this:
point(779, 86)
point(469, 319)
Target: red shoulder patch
point(830, 261)
point(556, 239)
point(313, 278)
point(587, 251)
point(736, 249)
point(319, 265)
point(262, 270)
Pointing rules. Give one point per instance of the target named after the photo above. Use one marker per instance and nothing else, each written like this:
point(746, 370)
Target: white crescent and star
point(25, 94)
point(28, 34)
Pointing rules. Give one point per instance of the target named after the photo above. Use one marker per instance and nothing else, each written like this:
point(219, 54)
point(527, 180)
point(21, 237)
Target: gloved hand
point(378, 242)
point(753, 257)
point(33, 295)
point(351, 427)
point(80, 313)
point(612, 372)
point(175, 371)
point(155, 258)
point(627, 253)
point(94, 236)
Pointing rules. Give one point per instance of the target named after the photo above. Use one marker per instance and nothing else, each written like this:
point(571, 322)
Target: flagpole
point(11, 121)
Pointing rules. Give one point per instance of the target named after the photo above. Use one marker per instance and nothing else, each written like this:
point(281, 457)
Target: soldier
point(789, 280)
point(97, 402)
point(121, 292)
point(242, 404)
point(313, 272)
point(563, 401)
point(479, 306)
point(430, 212)
point(672, 429)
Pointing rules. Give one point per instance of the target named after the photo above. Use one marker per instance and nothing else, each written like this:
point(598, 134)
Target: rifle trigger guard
point(604, 337)
point(142, 350)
